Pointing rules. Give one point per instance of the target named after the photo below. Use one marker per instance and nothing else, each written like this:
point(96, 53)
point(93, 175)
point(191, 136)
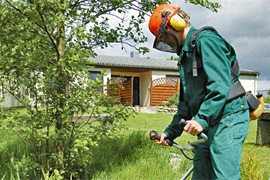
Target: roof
point(249, 72)
point(128, 62)
point(143, 63)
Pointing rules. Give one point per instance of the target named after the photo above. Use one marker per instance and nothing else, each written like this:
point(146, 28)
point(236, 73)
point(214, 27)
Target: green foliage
point(45, 46)
point(250, 166)
point(174, 58)
point(173, 101)
point(45, 50)
point(205, 3)
point(132, 155)
point(267, 99)
point(146, 160)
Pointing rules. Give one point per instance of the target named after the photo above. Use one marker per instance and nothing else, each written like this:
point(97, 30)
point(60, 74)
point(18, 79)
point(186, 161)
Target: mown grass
point(134, 156)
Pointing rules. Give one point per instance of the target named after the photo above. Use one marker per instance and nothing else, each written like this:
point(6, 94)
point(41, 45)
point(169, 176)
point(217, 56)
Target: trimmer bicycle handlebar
point(155, 136)
point(191, 147)
point(204, 138)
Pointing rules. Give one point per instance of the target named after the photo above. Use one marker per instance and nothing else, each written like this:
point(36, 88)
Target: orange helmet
point(158, 14)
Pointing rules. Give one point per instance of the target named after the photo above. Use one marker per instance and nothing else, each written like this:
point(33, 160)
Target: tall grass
point(134, 156)
point(146, 161)
point(11, 149)
point(254, 165)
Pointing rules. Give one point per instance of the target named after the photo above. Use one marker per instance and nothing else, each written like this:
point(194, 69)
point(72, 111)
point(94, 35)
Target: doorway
point(135, 89)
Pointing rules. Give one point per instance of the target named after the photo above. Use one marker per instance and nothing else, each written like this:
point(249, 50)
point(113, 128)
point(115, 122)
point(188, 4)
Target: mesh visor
point(166, 41)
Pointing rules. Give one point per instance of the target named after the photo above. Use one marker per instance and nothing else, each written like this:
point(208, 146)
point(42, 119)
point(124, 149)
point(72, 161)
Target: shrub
point(173, 101)
point(250, 167)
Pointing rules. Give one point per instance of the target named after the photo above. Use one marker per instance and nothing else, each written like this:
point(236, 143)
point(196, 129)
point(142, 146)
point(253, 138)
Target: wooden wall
point(162, 89)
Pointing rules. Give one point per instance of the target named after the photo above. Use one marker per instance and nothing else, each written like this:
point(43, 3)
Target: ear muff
point(177, 22)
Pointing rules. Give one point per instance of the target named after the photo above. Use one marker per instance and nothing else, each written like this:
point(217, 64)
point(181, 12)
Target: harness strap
point(234, 70)
point(193, 44)
point(237, 89)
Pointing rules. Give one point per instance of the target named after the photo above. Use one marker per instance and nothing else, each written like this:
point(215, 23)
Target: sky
point(245, 24)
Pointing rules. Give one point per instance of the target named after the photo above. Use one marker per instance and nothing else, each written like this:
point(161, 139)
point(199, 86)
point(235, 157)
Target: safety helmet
point(163, 16)
point(158, 15)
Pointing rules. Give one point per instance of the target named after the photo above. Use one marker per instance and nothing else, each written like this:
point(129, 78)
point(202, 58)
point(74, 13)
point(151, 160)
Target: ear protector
point(177, 22)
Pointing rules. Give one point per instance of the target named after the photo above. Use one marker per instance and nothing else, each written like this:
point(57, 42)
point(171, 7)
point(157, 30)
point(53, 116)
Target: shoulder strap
point(237, 89)
point(193, 45)
point(234, 70)
point(194, 36)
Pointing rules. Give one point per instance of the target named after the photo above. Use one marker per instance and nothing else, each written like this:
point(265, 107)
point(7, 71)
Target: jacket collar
point(186, 46)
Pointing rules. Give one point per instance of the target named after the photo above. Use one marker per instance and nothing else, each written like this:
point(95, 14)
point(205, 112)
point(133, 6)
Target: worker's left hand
point(193, 127)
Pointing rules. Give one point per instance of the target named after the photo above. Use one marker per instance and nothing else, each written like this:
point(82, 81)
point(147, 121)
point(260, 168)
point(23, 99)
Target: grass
point(134, 156)
point(153, 162)
point(146, 161)
point(260, 153)
point(10, 147)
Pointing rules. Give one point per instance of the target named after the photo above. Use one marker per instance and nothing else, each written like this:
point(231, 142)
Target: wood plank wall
point(162, 89)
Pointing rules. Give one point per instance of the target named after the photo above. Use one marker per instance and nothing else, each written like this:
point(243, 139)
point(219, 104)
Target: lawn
point(159, 122)
point(134, 156)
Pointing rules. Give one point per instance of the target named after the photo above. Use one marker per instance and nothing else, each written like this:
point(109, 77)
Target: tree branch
point(22, 13)
point(48, 33)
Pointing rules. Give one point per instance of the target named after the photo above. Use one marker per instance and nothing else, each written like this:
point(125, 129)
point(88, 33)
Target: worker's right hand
point(162, 141)
point(193, 127)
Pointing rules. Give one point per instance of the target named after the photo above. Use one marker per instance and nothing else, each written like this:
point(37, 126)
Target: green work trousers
point(220, 156)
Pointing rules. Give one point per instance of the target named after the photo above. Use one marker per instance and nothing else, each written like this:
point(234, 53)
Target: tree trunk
point(61, 90)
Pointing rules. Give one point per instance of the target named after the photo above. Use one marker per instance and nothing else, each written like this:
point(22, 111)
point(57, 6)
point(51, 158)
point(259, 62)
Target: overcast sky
point(243, 23)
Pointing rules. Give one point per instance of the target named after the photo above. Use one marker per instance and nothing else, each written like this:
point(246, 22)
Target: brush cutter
point(191, 144)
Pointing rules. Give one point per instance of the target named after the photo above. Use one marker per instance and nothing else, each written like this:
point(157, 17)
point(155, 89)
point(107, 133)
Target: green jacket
point(203, 97)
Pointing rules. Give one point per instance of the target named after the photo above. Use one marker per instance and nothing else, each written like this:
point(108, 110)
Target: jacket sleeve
point(183, 112)
point(216, 56)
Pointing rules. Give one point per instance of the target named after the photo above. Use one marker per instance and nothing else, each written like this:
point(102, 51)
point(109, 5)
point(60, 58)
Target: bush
point(266, 99)
point(173, 101)
point(250, 167)
point(16, 160)
point(43, 149)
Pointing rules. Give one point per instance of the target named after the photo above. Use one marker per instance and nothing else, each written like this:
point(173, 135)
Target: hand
point(162, 141)
point(193, 127)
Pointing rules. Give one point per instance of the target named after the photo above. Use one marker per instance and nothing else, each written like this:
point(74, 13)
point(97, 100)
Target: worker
point(205, 74)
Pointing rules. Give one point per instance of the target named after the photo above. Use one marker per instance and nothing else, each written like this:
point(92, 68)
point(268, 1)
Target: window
point(93, 75)
point(174, 77)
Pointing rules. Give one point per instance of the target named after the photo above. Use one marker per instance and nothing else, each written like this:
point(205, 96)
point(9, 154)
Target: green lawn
point(134, 156)
point(159, 122)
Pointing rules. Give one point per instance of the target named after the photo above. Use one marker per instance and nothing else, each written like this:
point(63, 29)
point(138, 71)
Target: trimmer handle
point(155, 136)
point(182, 124)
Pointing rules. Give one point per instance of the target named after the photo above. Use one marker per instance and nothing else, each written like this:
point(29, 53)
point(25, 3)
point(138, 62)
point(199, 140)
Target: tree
point(45, 50)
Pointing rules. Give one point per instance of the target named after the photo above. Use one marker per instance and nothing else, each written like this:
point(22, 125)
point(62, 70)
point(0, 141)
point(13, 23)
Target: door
point(136, 91)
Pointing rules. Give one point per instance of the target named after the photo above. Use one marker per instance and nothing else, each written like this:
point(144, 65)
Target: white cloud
point(243, 23)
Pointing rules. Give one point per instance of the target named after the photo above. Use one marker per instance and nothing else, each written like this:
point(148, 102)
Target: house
point(150, 80)
point(144, 82)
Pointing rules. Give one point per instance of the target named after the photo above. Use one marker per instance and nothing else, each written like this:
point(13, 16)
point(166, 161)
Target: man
point(205, 74)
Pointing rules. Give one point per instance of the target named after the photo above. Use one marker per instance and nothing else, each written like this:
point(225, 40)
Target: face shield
point(166, 40)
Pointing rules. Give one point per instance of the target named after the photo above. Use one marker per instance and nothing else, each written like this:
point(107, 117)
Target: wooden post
point(119, 88)
point(177, 85)
point(263, 128)
point(151, 86)
point(131, 98)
